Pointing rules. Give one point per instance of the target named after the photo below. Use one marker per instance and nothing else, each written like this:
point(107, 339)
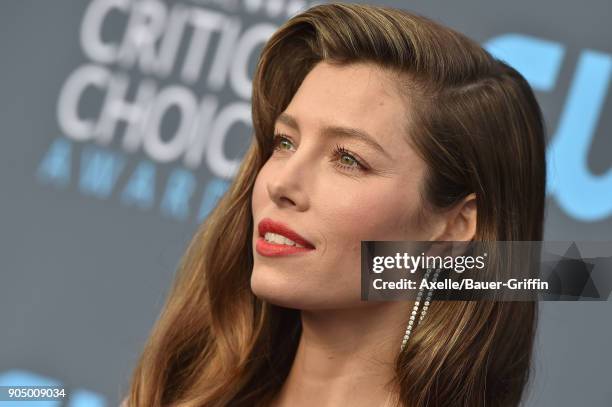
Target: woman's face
point(335, 197)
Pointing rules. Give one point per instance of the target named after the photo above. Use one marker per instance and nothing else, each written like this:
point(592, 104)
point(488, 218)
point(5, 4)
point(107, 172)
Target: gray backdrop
point(122, 123)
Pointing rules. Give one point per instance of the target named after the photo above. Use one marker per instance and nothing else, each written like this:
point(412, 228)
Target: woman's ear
point(459, 223)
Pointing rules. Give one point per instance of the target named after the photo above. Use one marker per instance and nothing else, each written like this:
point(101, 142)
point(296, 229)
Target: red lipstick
point(271, 249)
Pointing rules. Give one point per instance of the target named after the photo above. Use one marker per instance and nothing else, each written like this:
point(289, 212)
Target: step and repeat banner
point(123, 122)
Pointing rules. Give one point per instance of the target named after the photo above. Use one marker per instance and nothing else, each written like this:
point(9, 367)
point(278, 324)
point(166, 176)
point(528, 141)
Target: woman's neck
point(345, 357)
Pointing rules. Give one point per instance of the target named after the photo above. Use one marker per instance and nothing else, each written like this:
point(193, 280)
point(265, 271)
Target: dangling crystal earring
point(417, 303)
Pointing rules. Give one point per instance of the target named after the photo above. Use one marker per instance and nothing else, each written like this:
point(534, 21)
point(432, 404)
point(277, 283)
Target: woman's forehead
point(356, 95)
point(359, 84)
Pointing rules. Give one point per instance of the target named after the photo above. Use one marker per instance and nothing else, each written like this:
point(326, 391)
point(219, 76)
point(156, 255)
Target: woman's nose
point(287, 188)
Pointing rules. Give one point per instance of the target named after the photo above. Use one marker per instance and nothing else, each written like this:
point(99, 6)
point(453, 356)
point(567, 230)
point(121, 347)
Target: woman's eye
point(345, 160)
point(281, 142)
point(348, 160)
point(341, 157)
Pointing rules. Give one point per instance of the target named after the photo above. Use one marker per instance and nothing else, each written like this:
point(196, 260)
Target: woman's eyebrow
point(336, 131)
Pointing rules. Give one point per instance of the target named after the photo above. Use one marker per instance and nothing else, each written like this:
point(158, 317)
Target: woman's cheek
point(259, 191)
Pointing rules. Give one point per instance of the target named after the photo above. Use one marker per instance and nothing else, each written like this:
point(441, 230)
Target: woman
point(370, 124)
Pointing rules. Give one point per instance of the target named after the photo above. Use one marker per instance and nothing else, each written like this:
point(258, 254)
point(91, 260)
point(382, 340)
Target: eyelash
point(338, 151)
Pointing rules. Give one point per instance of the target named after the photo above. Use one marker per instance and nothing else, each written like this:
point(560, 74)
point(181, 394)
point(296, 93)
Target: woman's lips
point(272, 249)
point(269, 225)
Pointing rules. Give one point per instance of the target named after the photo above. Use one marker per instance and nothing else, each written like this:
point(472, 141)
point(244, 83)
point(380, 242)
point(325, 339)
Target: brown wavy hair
point(476, 123)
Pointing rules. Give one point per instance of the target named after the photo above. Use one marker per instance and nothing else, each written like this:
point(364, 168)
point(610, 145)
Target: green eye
point(285, 143)
point(281, 142)
point(348, 160)
point(342, 157)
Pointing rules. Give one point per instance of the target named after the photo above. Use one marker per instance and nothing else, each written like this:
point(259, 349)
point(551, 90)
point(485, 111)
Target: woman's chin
point(273, 292)
point(301, 300)
point(289, 292)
